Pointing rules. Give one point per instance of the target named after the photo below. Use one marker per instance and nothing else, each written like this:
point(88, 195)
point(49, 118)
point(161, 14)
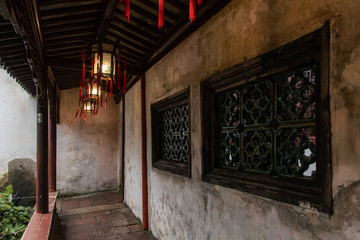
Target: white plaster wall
point(187, 208)
point(17, 122)
point(133, 180)
point(87, 150)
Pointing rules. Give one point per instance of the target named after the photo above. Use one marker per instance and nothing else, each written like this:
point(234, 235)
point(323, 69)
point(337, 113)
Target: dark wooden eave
point(67, 27)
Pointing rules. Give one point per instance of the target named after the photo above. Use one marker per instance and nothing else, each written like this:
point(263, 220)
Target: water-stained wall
point(133, 180)
point(187, 208)
point(87, 150)
point(17, 125)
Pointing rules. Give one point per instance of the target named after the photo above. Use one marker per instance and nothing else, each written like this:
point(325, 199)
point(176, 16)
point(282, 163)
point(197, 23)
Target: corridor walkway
point(96, 216)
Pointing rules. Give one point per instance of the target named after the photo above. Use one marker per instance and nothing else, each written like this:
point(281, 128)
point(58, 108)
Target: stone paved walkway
point(96, 216)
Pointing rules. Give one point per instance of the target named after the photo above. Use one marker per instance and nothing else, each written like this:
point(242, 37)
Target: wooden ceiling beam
point(70, 20)
point(143, 26)
point(64, 47)
point(69, 34)
point(5, 49)
point(127, 28)
point(11, 43)
point(85, 38)
point(108, 12)
point(6, 29)
point(9, 36)
point(68, 27)
point(70, 11)
point(50, 5)
point(130, 39)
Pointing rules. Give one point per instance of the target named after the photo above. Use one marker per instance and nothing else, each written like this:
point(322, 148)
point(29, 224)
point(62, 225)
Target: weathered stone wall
point(133, 181)
point(87, 150)
point(187, 208)
point(17, 125)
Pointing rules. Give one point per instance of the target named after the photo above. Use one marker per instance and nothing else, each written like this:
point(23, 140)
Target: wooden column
point(52, 141)
point(144, 156)
point(42, 194)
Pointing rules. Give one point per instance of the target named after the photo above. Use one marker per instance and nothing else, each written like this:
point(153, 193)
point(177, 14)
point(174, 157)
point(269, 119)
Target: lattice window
point(266, 124)
point(175, 134)
point(171, 135)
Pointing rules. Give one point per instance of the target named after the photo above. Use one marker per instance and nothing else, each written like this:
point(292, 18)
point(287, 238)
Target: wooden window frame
point(179, 168)
point(312, 48)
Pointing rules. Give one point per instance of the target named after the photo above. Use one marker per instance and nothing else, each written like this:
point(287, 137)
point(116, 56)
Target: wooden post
point(42, 194)
point(52, 141)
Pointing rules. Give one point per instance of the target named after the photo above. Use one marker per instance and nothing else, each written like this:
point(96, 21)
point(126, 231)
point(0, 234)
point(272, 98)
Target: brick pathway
point(96, 216)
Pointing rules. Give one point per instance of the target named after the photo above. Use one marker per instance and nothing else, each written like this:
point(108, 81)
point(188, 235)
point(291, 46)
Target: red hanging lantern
point(192, 10)
point(161, 15)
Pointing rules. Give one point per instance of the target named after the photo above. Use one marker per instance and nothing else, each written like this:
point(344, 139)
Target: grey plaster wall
point(133, 181)
point(17, 124)
point(187, 208)
point(87, 150)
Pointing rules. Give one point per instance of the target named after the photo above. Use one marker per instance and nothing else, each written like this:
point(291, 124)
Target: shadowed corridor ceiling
point(66, 27)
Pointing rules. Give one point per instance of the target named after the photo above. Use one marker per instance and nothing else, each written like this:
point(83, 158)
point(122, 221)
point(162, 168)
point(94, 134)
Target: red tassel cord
point(161, 15)
point(77, 112)
point(119, 72)
point(111, 88)
point(83, 68)
point(98, 76)
point(81, 111)
point(101, 100)
point(127, 9)
point(121, 1)
point(192, 10)
point(105, 100)
point(84, 115)
point(200, 2)
point(125, 74)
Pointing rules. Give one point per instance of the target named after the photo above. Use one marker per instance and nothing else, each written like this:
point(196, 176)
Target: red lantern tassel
point(77, 112)
point(83, 68)
point(125, 73)
point(81, 111)
point(127, 9)
point(161, 14)
point(121, 1)
point(200, 2)
point(105, 100)
point(111, 88)
point(101, 100)
point(84, 115)
point(192, 10)
point(98, 75)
